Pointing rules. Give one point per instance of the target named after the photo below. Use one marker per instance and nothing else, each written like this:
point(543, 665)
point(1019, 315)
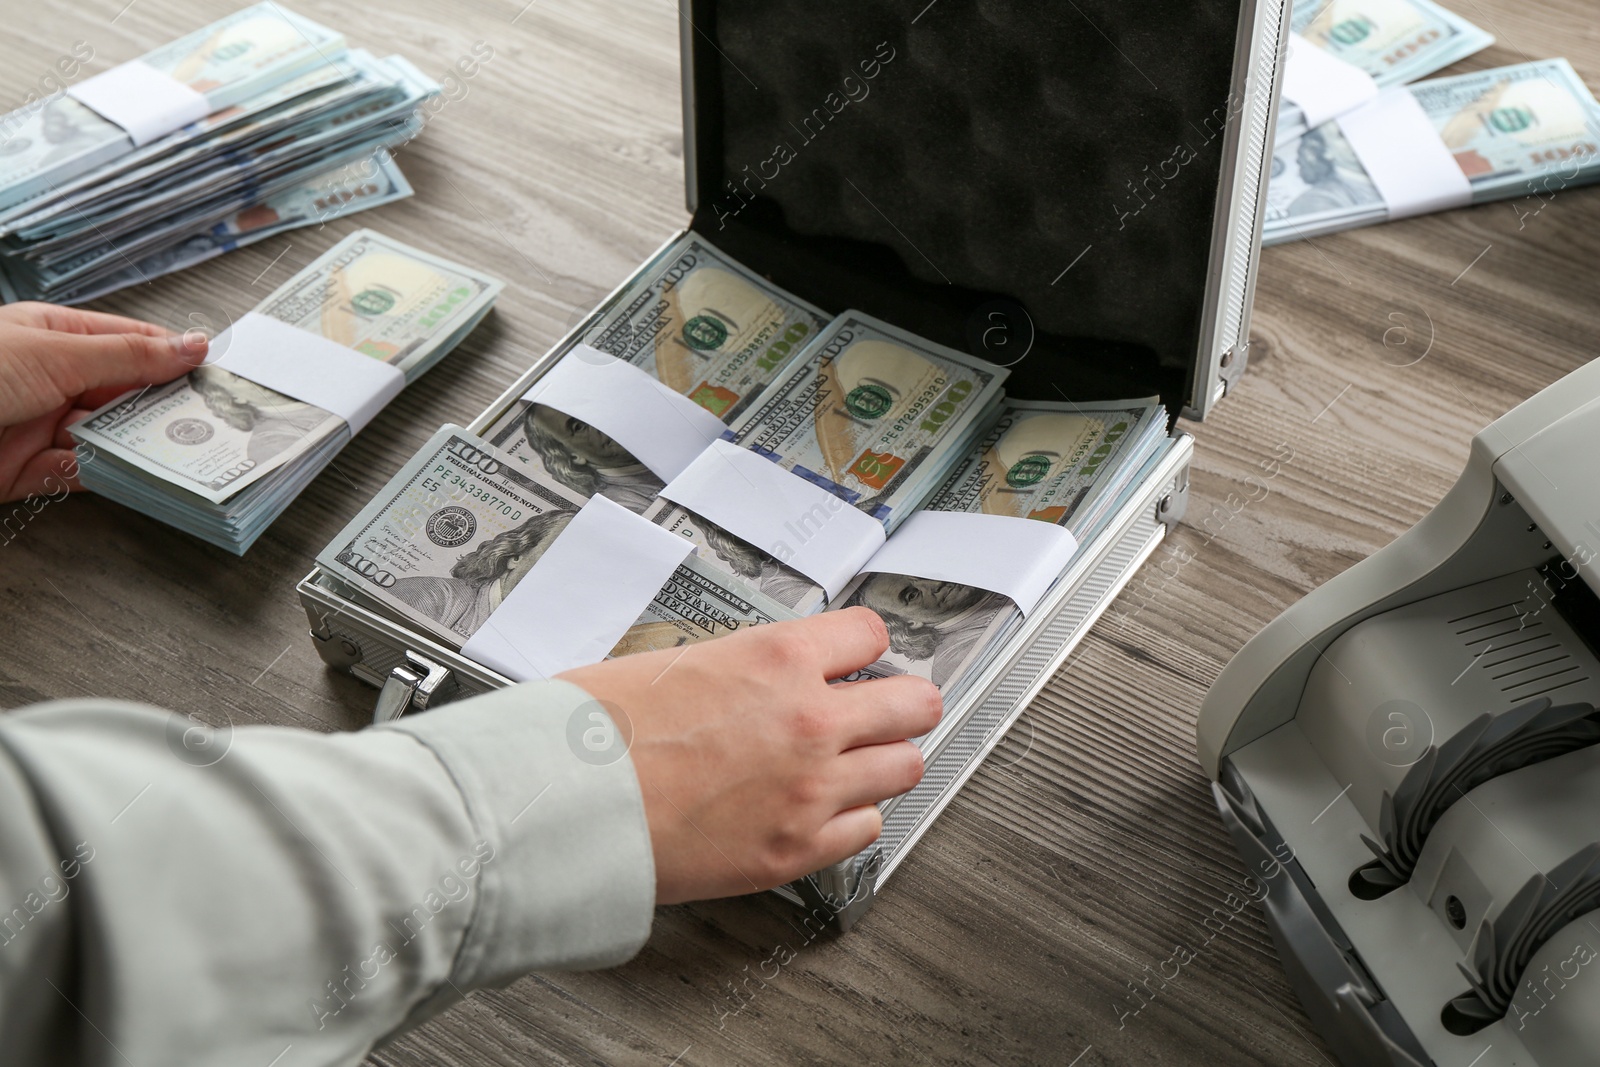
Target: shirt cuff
point(571, 883)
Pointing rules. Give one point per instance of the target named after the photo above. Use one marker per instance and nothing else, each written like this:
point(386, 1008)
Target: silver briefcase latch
point(415, 685)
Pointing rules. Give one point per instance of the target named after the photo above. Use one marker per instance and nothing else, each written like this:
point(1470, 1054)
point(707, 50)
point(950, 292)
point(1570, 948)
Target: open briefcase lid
point(1071, 189)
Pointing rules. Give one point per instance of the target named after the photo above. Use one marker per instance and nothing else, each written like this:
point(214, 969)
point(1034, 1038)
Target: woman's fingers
point(47, 474)
point(845, 835)
point(837, 642)
point(31, 463)
point(875, 773)
point(80, 364)
point(76, 320)
point(881, 710)
point(63, 438)
point(746, 759)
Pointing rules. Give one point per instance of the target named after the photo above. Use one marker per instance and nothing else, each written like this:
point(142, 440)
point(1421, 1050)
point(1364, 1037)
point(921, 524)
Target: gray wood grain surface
point(1087, 848)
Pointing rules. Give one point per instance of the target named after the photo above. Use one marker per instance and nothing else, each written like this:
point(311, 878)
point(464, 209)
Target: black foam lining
point(930, 163)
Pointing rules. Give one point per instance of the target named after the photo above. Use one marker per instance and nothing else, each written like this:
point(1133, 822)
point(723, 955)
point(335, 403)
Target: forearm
point(306, 889)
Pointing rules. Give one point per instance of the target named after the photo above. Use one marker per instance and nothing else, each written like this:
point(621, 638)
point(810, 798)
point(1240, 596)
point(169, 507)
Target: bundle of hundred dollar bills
point(884, 420)
point(220, 455)
point(443, 545)
point(287, 128)
point(1527, 131)
point(871, 413)
point(698, 322)
point(1381, 145)
point(1067, 464)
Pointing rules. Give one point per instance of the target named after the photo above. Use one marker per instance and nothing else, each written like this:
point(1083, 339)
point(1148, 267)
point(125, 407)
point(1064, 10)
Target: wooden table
point(1087, 847)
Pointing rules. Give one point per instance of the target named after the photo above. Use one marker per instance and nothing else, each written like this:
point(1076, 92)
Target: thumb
point(107, 364)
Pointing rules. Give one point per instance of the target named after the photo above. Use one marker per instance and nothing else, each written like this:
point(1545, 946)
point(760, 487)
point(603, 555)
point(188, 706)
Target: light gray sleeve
point(266, 895)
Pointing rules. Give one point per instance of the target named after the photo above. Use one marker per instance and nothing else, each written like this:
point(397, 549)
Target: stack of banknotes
point(298, 134)
point(220, 456)
point(1524, 131)
point(1068, 464)
point(445, 542)
point(1394, 41)
point(1527, 131)
point(873, 414)
point(441, 547)
point(696, 321)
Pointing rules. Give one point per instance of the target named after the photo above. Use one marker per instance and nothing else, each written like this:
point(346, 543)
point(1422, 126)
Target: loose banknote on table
point(1528, 131)
point(1062, 463)
point(871, 413)
point(701, 324)
point(445, 542)
point(222, 456)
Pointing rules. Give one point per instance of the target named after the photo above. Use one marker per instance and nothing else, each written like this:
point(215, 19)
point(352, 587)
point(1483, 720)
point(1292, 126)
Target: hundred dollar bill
point(698, 603)
point(444, 542)
point(279, 112)
point(212, 433)
point(707, 327)
point(234, 58)
point(871, 413)
point(574, 454)
point(739, 559)
point(443, 545)
point(703, 325)
point(1045, 461)
point(52, 271)
point(102, 239)
point(1528, 129)
point(1394, 41)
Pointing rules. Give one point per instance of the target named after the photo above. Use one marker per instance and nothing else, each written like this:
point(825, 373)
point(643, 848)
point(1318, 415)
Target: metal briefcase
point(1073, 191)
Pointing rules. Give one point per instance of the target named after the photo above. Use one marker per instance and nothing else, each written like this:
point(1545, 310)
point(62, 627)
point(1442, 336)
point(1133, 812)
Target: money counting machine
point(1070, 191)
point(1409, 759)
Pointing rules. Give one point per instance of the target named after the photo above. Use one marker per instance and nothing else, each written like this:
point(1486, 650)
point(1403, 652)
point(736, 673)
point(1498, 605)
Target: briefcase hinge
point(320, 629)
point(337, 649)
point(1230, 367)
point(1175, 501)
point(415, 685)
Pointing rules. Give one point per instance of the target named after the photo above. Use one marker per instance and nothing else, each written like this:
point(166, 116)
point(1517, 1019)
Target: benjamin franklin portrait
point(1333, 176)
point(274, 422)
point(930, 621)
point(482, 579)
point(783, 584)
point(587, 461)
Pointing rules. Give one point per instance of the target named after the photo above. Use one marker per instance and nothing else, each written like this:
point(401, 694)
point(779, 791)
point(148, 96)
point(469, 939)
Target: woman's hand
point(754, 769)
point(58, 364)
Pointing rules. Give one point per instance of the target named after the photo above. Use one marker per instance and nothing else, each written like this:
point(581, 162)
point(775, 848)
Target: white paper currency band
point(1404, 155)
point(1321, 84)
point(1003, 553)
point(797, 523)
point(663, 429)
point(308, 367)
point(589, 587)
point(142, 100)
